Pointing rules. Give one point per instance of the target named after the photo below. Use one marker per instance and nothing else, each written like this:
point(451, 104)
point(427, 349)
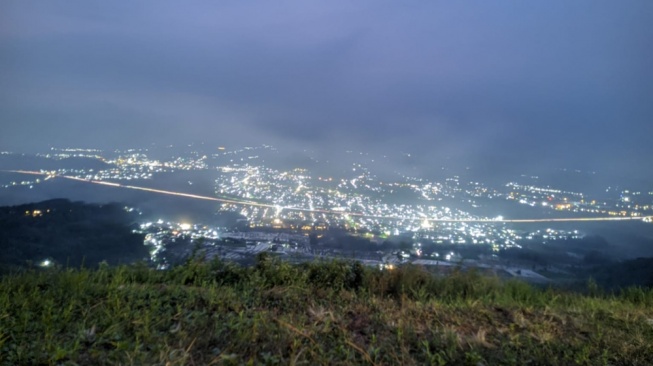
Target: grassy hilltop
point(327, 313)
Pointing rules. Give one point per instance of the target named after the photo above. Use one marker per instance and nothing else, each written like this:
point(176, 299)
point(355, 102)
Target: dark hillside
point(68, 233)
point(634, 272)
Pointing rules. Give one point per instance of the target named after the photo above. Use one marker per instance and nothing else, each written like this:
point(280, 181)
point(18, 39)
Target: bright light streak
point(338, 212)
point(278, 208)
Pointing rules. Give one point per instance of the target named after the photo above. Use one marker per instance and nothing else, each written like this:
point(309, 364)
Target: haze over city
point(516, 87)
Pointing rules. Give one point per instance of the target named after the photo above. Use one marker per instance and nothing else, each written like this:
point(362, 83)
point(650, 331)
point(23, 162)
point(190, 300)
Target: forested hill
point(634, 272)
point(68, 233)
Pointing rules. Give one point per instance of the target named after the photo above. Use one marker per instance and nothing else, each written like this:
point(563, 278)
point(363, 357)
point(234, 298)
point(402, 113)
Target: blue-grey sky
point(523, 83)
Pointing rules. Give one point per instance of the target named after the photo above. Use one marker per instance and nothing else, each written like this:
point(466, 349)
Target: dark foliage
point(635, 272)
point(68, 233)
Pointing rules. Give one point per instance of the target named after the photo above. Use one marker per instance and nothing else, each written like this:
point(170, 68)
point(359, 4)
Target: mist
point(510, 87)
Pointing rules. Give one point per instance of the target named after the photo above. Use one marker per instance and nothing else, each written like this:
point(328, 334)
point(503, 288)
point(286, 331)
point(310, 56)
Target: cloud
point(473, 82)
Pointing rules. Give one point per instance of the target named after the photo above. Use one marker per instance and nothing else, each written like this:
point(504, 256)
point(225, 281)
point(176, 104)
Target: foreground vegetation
point(204, 313)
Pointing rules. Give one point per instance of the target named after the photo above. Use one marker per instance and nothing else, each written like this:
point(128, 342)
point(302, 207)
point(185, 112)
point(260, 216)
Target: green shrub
point(336, 312)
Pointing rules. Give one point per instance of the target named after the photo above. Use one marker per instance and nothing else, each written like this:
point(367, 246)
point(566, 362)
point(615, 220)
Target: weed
point(336, 312)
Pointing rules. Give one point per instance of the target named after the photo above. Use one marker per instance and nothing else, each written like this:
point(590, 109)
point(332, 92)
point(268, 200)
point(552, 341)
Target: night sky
point(527, 84)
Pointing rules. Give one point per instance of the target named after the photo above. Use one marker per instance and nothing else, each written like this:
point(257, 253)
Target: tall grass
point(331, 312)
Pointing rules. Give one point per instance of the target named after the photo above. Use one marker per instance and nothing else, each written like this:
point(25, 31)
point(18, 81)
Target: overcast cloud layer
point(522, 83)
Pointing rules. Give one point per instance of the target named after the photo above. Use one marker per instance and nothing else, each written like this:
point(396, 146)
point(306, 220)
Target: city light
point(278, 208)
point(46, 263)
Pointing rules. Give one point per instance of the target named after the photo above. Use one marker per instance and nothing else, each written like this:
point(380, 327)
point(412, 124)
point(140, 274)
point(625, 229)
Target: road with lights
point(333, 212)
